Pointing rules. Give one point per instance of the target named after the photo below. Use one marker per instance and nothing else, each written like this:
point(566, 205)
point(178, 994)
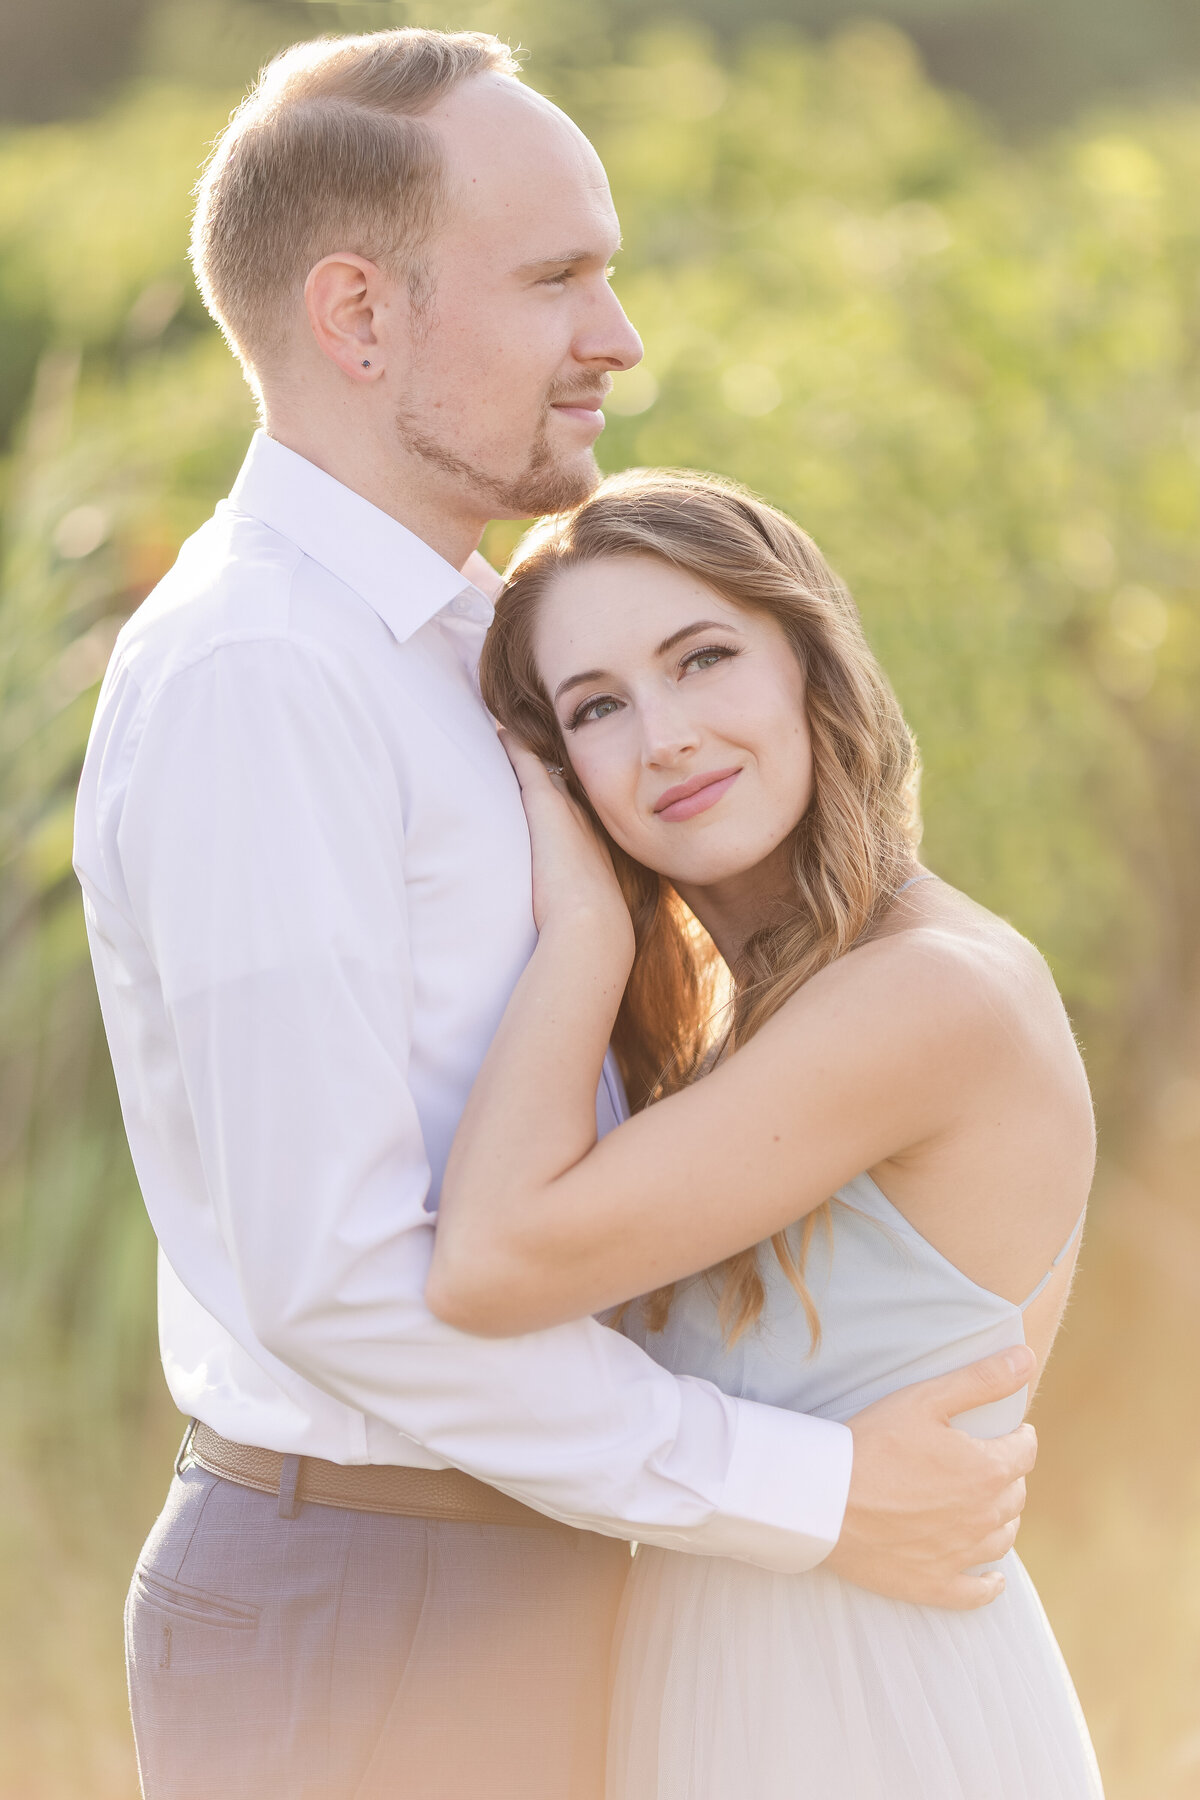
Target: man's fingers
point(993, 1379)
point(998, 1543)
point(967, 1593)
point(1016, 1452)
point(1011, 1503)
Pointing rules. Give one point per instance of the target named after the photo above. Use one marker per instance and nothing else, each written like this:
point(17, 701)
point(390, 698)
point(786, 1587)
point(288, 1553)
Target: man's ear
point(352, 305)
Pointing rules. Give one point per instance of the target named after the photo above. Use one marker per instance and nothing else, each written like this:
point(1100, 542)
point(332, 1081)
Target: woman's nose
point(668, 732)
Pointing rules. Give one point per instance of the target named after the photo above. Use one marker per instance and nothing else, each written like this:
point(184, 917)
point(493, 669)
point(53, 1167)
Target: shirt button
point(462, 605)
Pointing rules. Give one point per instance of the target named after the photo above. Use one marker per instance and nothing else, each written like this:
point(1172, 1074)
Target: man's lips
point(695, 796)
point(585, 408)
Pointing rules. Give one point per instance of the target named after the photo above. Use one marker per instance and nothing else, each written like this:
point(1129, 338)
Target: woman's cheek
point(612, 810)
point(623, 829)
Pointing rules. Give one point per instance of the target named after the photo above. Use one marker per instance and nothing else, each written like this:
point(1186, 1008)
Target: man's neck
point(385, 478)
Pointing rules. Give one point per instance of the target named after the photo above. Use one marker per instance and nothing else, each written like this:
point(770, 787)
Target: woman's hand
point(531, 1114)
point(573, 879)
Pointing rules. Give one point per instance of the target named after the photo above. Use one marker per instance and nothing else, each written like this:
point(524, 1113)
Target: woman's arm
point(539, 1223)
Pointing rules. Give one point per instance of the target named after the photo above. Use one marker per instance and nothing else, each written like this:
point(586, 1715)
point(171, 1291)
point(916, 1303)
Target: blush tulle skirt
point(736, 1684)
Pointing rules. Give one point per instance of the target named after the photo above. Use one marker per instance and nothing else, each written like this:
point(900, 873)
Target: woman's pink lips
point(696, 796)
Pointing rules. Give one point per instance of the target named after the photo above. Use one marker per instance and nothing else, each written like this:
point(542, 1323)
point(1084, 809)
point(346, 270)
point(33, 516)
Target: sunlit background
point(929, 277)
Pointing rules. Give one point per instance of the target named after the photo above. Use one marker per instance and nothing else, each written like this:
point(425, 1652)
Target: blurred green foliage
point(1031, 63)
point(972, 372)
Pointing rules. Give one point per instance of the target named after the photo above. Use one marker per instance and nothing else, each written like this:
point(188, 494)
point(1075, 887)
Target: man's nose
point(609, 338)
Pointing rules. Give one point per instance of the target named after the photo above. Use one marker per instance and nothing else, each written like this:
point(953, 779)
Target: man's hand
point(928, 1502)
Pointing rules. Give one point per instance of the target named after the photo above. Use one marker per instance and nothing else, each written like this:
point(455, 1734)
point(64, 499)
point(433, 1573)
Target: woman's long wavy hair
point(852, 849)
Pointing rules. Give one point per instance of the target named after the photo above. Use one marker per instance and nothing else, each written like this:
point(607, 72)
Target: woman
point(880, 1165)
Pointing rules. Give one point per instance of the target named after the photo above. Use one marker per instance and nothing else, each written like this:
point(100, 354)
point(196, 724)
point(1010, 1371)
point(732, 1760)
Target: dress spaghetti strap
point(1030, 1298)
point(928, 875)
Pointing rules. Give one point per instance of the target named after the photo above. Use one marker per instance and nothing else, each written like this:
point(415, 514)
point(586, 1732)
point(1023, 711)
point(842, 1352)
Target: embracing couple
point(756, 1154)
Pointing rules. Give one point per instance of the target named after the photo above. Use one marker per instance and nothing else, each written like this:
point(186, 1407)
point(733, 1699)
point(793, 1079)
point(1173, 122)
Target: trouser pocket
point(174, 1599)
point(176, 1625)
point(195, 1684)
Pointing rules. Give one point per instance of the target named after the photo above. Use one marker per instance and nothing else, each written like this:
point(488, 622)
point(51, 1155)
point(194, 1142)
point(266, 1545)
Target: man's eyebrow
point(569, 260)
point(668, 643)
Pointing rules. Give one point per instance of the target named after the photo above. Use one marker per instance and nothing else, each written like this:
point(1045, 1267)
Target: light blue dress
point(737, 1684)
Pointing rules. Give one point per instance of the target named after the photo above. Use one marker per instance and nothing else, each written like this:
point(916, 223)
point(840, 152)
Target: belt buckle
point(183, 1456)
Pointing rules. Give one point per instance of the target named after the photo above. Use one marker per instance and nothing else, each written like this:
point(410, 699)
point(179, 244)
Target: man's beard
point(542, 486)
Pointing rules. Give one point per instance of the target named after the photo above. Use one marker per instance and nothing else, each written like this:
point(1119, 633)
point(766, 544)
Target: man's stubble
point(544, 485)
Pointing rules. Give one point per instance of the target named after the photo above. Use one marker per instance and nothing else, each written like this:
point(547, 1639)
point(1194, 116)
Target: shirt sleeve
point(261, 843)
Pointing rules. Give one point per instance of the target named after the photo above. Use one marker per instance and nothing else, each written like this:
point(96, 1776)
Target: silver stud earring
point(366, 365)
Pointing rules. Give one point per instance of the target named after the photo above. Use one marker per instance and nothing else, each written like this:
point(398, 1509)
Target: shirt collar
point(394, 571)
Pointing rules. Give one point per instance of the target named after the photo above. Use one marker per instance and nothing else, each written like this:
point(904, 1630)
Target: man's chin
point(547, 484)
point(547, 489)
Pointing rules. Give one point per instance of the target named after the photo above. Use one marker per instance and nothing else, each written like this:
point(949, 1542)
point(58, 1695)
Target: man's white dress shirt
point(307, 886)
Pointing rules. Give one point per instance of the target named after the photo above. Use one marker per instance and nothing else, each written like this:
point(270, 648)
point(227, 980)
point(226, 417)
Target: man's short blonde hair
point(327, 152)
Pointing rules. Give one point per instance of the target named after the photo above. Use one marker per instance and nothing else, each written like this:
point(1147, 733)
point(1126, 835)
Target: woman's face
point(683, 716)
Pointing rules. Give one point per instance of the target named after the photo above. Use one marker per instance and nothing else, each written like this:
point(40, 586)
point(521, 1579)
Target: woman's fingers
point(529, 766)
point(519, 754)
point(573, 874)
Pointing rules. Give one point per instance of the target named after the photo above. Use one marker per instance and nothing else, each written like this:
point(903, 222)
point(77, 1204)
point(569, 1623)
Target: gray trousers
point(344, 1655)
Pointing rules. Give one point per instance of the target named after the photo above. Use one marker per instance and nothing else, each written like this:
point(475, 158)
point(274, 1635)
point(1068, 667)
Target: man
point(390, 1559)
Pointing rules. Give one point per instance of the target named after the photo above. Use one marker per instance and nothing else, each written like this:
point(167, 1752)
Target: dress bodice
point(893, 1310)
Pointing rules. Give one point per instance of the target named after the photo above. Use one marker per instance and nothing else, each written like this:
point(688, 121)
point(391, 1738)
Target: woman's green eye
point(604, 705)
point(708, 657)
point(593, 709)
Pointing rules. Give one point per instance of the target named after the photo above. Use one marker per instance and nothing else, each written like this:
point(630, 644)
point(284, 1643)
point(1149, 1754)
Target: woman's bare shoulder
point(944, 970)
point(986, 953)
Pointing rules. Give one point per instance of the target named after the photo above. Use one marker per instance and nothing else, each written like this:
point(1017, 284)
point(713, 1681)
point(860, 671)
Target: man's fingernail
point(1018, 1359)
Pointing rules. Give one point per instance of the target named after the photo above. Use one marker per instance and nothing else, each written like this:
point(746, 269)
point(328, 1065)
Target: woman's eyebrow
point(577, 681)
point(668, 643)
point(677, 637)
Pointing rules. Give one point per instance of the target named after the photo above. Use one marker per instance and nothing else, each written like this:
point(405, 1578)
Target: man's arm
point(261, 847)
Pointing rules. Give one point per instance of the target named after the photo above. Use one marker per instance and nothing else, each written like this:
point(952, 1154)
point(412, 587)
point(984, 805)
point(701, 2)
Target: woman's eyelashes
point(602, 706)
point(592, 709)
point(709, 656)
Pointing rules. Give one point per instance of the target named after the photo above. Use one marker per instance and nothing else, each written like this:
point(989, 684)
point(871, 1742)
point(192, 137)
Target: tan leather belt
point(363, 1487)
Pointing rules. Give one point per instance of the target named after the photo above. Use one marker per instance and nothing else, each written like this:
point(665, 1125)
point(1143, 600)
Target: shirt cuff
point(785, 1491)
